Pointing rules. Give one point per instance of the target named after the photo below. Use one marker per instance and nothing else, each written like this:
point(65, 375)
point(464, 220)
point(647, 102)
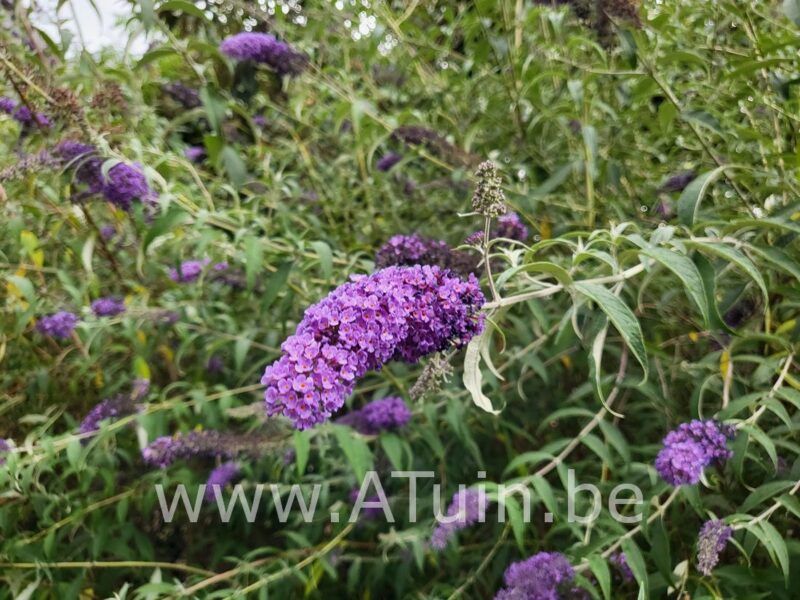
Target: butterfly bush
point(466, 508)
point(713, 538)
point(108, 307)
point(115, 407)
point(165, 450)
point(379, 415)
point(188, 271)
point(123, 184)
point(220, 477)
point(541, 577)
point(264, 48)
point(692, 447)
point(619, 560)
point(5, 446)
point(387, 161)
point(400, 313)
point(22, 114)
point(407, 250)
point(511, 226)
point(678, 181)
point(194, 153)
point(57, 325)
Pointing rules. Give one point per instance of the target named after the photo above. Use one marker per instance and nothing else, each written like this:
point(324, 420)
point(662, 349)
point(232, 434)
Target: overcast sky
point(98, 31)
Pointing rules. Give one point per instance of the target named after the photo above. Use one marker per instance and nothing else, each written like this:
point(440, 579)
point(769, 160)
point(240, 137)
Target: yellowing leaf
point(694, 336)
point(724, 363)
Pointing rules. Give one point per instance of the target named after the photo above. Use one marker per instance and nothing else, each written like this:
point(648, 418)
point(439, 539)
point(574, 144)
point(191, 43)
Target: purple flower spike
point(115, 407)
point(4, 447)
point(219, 478)
point(188, 271)
point(108, 307)
point(195, 153)
point(511, 226)
point(57, 325)
point(619, 560)
point(387, 161)
point(126, 183)
point(395, 313)
point(264, 48)
point(379, 415)
point(540, 577)
point(692, 447)
point(713, 538)
point(7, 105)
point(466, 508)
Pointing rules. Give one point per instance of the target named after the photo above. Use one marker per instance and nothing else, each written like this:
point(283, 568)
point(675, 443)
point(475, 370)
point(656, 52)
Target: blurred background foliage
point(591, 110)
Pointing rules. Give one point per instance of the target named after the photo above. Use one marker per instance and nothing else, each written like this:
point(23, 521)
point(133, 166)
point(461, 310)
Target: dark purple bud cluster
point(378, 415)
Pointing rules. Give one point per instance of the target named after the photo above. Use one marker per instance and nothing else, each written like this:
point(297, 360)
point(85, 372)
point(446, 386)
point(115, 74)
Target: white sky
point(98, 31)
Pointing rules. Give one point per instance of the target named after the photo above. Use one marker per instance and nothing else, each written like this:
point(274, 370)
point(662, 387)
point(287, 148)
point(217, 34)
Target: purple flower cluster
point(539, 577)
point(466, 508)
point(264, 48)
point(395, 313)
point(692, 447)
point(22, 114)
point(194, 153)
point(109, 306)
point(220, 477)
point(123, 184)
point(115, 407)
point(678, 181)
point(4, 447)
point(387, 161)
point(379, 415)
point(58, 325)
point(188, 271)
point(511, 226)
point(182, 94)
point(407, 250)
point(713, 538)
point(619, 560)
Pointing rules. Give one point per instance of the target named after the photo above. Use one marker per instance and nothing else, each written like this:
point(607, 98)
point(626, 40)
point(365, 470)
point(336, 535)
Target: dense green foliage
point(629, 309)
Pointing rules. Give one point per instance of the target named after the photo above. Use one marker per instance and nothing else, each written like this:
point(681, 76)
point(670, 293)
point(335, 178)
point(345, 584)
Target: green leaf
point(184, 6)
point(622, 317)
point(692, 196)
point(302, 449)
point(276, 283)
point(635, 561)
point(472, 374)
point(687, 272)
point(600, 569)
point(164, 224)
point(775, 544)
point(355, 449)
point(323, 250)
point(141, 368)
point(253, 251)
point(393, 446)
point(234, 166)
point(735, 257)
point(709, 277)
